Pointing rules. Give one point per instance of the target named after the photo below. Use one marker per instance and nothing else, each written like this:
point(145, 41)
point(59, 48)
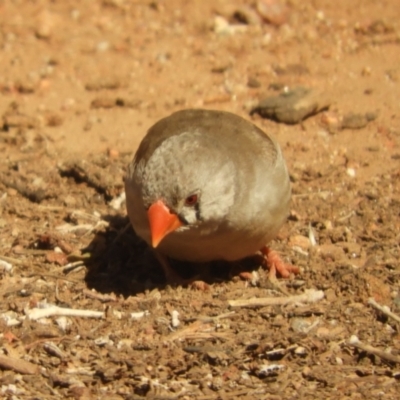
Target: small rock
point(332, 121)
point(5, 266)
point(113, 153)
point(357, 121)
point(351, 172)
point(300, 351)
point(253, 83)
point(273, 12)
point(293, 106)
point(46, 21)
point(247, 15)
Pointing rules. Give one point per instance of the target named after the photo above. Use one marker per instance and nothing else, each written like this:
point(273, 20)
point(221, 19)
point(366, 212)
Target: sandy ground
point(80, 84)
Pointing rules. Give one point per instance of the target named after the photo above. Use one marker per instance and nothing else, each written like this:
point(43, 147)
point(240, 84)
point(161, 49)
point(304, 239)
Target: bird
point(208, 185)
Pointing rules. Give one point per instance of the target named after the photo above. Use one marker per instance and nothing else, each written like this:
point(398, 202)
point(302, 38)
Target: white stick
point(309, 296)
point(36, 313)
point(383, 309)
point(355, 342)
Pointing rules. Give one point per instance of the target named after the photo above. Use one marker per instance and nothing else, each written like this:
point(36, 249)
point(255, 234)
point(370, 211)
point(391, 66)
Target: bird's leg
point(173, 278)
point(276, 265)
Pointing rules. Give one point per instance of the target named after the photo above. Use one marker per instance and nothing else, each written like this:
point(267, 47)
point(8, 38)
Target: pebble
point(5, 266)
point(351, 172)
point(247, 15)
point(357, 121)
point(300, 351)
point(273, 12)
point(332, 121)
point(46, 22)
point(253, 83)
point(113, 153)
point(292, 106)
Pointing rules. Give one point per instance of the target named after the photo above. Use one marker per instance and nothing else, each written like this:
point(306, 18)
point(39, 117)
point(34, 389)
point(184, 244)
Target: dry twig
point(309, 296)
point(383, 309)
point(355, 342)
point(18, 365)
point(36, 313)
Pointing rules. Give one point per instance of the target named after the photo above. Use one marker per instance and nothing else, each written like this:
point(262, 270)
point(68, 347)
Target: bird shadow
point(122, 263)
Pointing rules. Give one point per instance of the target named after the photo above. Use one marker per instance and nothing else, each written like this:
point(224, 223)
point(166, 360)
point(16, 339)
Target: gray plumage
point(235, 169)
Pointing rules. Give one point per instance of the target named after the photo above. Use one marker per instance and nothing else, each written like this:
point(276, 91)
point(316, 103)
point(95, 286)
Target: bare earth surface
point(80, 84)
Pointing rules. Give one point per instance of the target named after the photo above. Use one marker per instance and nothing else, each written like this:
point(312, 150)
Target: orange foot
point(276, 265)
point(173, 278)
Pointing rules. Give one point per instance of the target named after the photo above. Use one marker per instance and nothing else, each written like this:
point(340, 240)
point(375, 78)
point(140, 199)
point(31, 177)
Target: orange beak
point(162, 222)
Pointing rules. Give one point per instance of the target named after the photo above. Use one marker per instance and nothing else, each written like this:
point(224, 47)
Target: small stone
point(46, 21)
point(331, 120)
point(300, 351)
point(292, 106)
point(351, 172)
point(247, 15)
point(253, 83)
point(273, 12)
point(357, 121)
point(113, 153)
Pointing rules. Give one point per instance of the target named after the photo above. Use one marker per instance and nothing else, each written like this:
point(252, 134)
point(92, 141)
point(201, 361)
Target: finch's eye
point(191, 200)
